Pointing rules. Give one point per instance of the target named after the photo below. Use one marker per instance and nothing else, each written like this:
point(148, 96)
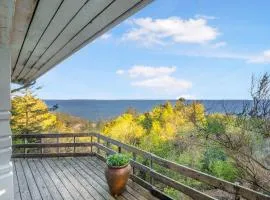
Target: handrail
point(181, 169)
point(39, 144)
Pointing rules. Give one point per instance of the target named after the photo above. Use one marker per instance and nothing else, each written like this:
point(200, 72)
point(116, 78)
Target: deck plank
point(90, 172)
point(44, 191)
point(125, 194)
point(48, 181)
point(82, 180)
point(80, 188)
point(31, 181)
point(17, 195)
point(92, 180)
point(60, 186)
point(73, 191)
point(68, 179)
point(23, 186)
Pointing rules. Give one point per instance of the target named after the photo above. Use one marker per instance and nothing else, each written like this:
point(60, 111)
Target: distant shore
point(96, 110)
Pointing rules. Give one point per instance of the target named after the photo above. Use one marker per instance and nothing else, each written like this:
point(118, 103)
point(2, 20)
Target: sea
point(95, 110)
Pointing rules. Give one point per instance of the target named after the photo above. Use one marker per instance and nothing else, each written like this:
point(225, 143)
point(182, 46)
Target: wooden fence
point(102, 146)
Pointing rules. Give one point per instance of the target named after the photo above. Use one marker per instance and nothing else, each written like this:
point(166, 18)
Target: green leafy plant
point(117, 160)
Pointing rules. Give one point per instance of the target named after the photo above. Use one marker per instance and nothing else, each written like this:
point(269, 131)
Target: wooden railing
point(102, 146)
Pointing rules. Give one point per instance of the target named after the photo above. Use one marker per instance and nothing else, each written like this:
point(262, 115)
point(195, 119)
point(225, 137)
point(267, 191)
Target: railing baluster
point(25, 142)
point(74, 141)
point(119, 149)
point(134, 157)
point(151, 166)
point(98, 140)
point(91, 139)
point(108, 144)
point(57, 141)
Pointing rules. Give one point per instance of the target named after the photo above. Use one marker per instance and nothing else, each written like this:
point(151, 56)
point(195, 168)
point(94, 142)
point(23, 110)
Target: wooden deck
point(67, 178)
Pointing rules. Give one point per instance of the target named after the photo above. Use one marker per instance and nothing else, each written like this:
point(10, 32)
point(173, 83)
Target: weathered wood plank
point(23, 186)
point(81, 179)
point(52, 145)
point(44, 13)
point(51, 177)
point(66, 12)
point(22, 18)
point(45, 194)
point(46, 155)
point(86, 14)
point(126, 194)
point(17, 195)
point(80, 188)
point(125, 146)
point(91, 177)
point(30, 181)
point(73, 191)
point(47, 179)
point(57, 181)
point(107, 19)
point(52, 135)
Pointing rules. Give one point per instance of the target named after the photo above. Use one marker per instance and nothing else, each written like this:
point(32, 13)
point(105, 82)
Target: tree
point(30, 114)
point(124, 128)
point(243, 136)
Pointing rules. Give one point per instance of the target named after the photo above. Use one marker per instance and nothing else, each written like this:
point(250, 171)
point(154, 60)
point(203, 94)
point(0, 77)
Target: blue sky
point(199, 49)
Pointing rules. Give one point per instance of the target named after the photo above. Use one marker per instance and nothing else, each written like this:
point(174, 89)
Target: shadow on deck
point(67, 178)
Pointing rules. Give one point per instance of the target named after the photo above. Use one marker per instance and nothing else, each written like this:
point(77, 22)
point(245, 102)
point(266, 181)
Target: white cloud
point(156, 79)
point(198, 16)
point(105, 36)
point(164, 84)
point(264, 57)
point(219, 44)
point(149, 71)
point(150, 31)
point(120, 72)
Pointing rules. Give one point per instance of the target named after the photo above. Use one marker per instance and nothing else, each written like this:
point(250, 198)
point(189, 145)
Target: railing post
point(108, 144)
point(134, 157)
point(237, 196)
point(98, 140)
point(119, 149)
point(25, 149)
point(151, 166)
point(74, 141)
point(41, 149)
point(91, 140)
point(58, 149)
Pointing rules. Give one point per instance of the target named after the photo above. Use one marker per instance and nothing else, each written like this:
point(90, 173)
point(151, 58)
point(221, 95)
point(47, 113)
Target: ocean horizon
point(96, 110)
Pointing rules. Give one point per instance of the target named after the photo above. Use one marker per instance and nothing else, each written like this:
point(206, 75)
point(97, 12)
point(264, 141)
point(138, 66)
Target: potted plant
point(117, 173)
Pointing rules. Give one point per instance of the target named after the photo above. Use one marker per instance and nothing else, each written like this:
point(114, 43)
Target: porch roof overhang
point(42, 33)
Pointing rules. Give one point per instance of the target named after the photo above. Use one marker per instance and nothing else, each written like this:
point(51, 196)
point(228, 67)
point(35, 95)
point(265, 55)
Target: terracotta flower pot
point(117, 178)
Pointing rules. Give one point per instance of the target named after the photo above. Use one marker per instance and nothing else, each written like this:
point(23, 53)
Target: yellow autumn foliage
point(30, 115)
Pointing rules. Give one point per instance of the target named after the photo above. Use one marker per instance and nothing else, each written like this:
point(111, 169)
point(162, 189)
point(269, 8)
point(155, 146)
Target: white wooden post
point(6, 170)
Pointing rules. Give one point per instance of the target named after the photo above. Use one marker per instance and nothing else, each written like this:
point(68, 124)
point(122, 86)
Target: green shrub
point(117, 160)
point(225, 170)
point(211, 155)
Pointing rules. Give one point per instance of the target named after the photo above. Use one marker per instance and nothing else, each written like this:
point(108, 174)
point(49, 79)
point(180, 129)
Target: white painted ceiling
point(45, 32)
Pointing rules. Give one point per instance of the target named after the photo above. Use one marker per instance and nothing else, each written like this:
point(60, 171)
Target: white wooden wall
point(6, 170)
point(6, 173)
